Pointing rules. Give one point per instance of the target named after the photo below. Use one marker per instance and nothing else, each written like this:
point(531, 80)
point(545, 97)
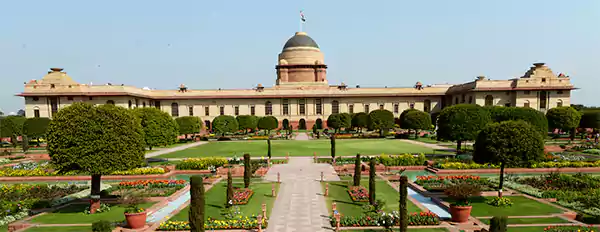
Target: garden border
point(518, 170)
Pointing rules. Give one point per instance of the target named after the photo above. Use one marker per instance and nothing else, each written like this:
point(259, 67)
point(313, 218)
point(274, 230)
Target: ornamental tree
point(159, 127)
point(189, 125)
point(403, 202)
point(360, 120)
point(339, 121)
point(98, 140)
point(372, 181)
point(357, 170)
point(415, 120)
point(508, 143)
point(381, 120)
point(197, 203)
point(590, 119)
point(35, 128)
point(247, 170)
point(534, 117)
point(461, 123)
point(564, 118)
point(268, 123)
point(229, 193)
point(225, 124)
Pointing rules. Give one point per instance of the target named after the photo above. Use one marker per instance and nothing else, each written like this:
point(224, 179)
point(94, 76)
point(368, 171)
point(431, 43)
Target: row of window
point(335, 108)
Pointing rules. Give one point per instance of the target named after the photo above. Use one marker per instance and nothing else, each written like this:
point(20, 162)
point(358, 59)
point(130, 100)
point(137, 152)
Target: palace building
point(301, 94)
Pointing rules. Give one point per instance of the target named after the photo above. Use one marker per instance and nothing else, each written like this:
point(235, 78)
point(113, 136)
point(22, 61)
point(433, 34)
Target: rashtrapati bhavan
point(301, 93)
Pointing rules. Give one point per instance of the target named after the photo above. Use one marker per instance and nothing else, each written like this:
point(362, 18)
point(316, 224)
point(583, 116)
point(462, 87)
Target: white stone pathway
point(302, 136)
point(174, 149)
point(300, 204)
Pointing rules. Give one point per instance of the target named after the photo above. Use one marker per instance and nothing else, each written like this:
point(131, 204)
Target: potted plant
point(460, 210)
point(134, 214)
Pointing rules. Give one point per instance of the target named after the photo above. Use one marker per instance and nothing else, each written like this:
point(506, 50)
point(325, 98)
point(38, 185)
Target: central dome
point(300, 39)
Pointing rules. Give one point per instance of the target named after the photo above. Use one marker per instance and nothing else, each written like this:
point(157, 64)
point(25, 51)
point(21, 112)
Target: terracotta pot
point(460, 214)
point(136, 220)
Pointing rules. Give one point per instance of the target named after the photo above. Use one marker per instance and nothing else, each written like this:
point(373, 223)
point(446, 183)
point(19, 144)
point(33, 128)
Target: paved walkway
point(300, 204)
point(429, 145)
point(173, 149)
point(302, 136)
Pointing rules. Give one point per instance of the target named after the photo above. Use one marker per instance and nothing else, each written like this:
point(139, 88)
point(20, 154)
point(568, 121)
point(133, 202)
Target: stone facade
point(301, 93)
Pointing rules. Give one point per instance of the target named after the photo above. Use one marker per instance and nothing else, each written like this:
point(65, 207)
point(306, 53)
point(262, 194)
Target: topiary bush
point(102, 226)
point(357, 170)
point(372, 181)
point(403, 203)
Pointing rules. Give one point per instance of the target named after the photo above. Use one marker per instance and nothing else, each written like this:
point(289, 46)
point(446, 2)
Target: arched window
point(427, 106)
point(110, 102)
point(207, 124)
point(470, 99)
point(335, 107)
point(36, 112)
point(130, 104)
point(268, 108)
point(526, 104)
point(302, 124)
point(175, 109)
point(489, 100)
point(559, 103)
point(285, 124)
point(191, 110)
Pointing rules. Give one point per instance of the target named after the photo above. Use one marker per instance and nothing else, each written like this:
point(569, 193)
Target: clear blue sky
point(234, 44)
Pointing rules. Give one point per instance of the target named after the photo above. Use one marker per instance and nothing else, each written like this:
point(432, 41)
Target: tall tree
point(197, 203)
point(415, 120)
point(247, 122)
point(360, 120)
point(372, 190)
point(565, 118)
point(403, 203)
point(509, 143)
point(247, 170)
point(160, 129)
point(381, 120)
point(35, 128)
point(534, 117)
point(12, 126)
point(462, 123)
point(189, 125)
point(332, 145)
point(223, 124)
point(357, 170)
point(590, 119)
point(95, 139)
point(338, 121)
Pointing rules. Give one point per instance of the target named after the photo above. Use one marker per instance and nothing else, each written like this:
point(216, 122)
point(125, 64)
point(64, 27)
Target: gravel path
point(173, 149)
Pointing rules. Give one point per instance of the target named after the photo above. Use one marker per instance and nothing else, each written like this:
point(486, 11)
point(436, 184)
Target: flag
point(302, 17)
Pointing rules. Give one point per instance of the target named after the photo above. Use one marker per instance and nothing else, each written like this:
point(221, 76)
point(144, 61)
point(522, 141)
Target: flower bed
point(546, 164)
point(570, 229)
point(402, 160)
point(201, 163)
point(440, 183)
point(18, 199)
point(463, 165)
point(45, 169)
point(580, 192)
point(358, 193)
point(242, 196)
point(566, 164)
point(414, 219)
point(141, 171)
point(211, 224)
point(152, 188)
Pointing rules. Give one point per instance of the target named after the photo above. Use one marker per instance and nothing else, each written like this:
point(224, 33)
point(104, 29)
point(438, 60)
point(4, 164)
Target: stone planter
point(460, 214)
point(136, 220)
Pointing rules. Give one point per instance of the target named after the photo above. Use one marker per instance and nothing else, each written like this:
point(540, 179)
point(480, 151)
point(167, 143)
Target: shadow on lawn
point(75, 208)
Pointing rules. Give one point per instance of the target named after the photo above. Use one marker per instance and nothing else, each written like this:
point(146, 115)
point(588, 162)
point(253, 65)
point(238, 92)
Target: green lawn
point(338, 193)
point(74, 214)
point(215, 201)
point(346, 147)
point(522, 206)
point(547, 220)
point(60, 229)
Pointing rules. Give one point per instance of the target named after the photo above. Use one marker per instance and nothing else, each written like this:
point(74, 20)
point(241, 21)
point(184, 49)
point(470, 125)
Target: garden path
point(174, 149)
point(302, 136)
point(300, 204)
point(429, 145)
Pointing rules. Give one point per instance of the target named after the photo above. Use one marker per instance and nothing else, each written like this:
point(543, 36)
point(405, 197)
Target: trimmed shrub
point(372, 181)
point(498, 224)
point(247, 170)
point(102, 226)
point(357, 170)
point(403, 203)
